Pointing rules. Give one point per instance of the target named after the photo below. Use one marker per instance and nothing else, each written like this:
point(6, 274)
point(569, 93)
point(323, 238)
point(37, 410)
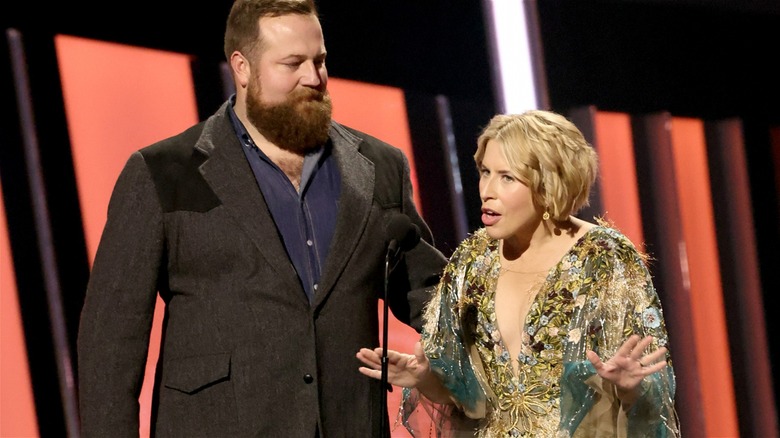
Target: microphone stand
point(391, 250)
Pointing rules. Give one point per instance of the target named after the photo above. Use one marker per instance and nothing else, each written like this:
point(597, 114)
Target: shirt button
point(308, 378)
point(309, 242)
point(315, 287)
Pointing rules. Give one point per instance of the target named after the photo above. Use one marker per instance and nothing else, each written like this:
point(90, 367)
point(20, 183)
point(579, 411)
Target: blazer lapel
point(229, 175)
point(357, 189)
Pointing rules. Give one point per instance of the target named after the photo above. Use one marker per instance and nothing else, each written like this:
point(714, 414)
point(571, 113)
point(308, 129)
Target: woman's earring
point(546, 216)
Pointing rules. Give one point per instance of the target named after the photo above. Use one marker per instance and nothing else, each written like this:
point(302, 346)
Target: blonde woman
point(543, 324)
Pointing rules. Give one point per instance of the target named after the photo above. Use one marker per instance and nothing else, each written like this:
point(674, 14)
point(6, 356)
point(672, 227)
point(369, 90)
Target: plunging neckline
point(540, 297)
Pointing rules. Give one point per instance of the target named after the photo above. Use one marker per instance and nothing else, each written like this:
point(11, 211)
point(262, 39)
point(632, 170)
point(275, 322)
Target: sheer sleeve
point(446, 340)
point(620, 301)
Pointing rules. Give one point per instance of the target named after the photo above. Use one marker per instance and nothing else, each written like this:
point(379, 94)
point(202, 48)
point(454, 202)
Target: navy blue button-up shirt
point(306, 218)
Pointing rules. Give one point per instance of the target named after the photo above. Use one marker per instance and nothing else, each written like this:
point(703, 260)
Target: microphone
point(402, 236)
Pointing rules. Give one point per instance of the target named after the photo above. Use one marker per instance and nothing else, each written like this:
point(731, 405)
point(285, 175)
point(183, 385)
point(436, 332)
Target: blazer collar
point(357, 191)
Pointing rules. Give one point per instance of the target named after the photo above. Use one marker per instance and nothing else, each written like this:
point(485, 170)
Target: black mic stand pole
point(384, 385)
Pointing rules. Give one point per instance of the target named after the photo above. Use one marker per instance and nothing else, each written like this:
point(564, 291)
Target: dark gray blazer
point(243, 351)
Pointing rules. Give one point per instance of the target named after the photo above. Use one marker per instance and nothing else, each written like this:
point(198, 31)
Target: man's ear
point(242, 71)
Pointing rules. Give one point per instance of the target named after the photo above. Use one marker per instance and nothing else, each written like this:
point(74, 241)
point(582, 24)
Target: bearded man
point(263, 229)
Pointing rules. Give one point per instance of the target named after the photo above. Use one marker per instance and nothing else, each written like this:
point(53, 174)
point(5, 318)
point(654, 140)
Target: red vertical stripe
point(703, 274)
point(377, 110)
point(617, 170)
point(118, 99)
point(17, 406)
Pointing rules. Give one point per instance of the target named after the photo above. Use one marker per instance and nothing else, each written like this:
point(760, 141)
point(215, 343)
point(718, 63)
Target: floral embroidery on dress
point(585, 302)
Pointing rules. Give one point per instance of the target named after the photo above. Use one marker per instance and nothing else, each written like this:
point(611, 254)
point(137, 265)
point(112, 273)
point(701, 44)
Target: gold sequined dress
point(596, 296)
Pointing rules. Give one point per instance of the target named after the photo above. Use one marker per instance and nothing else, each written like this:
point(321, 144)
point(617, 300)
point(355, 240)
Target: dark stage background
point(711, 60)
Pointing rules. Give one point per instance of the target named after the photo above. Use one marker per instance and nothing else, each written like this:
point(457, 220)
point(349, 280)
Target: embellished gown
point(595, 297)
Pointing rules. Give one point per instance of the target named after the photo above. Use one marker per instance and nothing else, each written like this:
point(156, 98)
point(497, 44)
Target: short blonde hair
point(549, 154)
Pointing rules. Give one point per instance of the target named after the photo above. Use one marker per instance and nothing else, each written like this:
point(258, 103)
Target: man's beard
point(299, 124)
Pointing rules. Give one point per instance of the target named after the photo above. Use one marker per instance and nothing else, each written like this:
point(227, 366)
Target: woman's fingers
point(654, 357)
point(373, 358)
point(370, 372)
point(634, 347)
point(369, 357)
point(419, 353)
point(640, 346)
point(628, 345)
point(594, 359)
